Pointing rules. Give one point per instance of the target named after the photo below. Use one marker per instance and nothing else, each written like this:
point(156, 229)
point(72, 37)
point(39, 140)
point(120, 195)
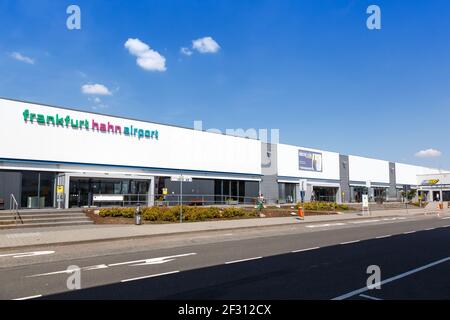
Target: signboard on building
point(310, 161)
point(60, 189)
point(108, 197)
point(430, 182)
point(181, 178)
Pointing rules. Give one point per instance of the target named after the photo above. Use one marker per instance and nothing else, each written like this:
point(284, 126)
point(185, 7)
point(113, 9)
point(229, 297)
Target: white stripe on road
point(150, 276)
point(27, 298)
point(348, 242)
point(408, 232)
point(302, 250)
point(97, 267)
point(52, 273)
point(382, 237)
point(445, 218)
point(402, 275)
point(326, 225)
point(27, 254)
point(242, 260)
point(366, 221)
point(393, 219)
point(158, 260)
point(143, 262)
point(429, 229)
point(369, 297)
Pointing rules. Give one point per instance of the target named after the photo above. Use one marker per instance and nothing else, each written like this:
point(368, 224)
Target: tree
point(410, 194)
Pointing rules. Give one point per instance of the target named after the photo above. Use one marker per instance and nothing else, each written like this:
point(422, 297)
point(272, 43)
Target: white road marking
point(365, 221)
point(408, 232)
point(326, 225)
point(158, 260)
point(402, 275)
point(429, 229)
point(382, 237)
point(27, 254)
point(242, 260)
point(143, 262)
point(150, 276)
point(369, 297)
point(27, 298)
point(51, 273)
point(445, 218)
point(348, 242)
point(97, 267)
point(393, 219)
point(302, 250)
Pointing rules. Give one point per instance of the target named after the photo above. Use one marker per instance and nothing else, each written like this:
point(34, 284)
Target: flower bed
point(172, 214)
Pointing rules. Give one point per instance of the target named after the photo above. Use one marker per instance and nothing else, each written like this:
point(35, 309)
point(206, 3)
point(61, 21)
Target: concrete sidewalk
point(12, 239)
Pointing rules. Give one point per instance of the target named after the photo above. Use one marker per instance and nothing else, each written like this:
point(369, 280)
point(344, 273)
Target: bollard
point(137, 215)
point(300, 213)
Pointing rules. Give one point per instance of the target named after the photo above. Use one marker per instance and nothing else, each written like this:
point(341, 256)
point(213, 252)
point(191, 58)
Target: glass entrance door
point(37, 189)
point(82, 191)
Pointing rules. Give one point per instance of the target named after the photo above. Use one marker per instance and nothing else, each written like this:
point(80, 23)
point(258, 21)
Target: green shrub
point(172, 214)
point(233, 212)
point(322, 206)
point(117, 212)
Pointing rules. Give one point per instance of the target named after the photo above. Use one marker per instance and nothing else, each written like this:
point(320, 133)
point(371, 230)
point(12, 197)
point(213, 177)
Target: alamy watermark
point(73, 22)
point(74, 280)
point(374, 280)
point(374, 20)
point(251, 133)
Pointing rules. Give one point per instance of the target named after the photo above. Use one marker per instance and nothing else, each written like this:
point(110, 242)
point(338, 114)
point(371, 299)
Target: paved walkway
point(10, 239)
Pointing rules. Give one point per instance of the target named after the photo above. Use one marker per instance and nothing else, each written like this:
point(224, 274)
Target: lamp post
point(181, 198)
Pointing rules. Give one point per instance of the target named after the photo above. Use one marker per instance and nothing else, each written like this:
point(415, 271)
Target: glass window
point(37, 189)
point(30, 190)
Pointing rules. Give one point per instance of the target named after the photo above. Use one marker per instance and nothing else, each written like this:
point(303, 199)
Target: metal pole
point(181, 198)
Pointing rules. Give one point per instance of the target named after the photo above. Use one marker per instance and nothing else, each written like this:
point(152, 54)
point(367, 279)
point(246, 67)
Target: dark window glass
point(30, 190)
point(47, 188)
point(37, 189)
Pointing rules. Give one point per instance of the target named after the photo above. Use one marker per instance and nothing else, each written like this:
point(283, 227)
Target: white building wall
point(176, 148)
point(288, 163)
point(407, 174)
point(366, 169)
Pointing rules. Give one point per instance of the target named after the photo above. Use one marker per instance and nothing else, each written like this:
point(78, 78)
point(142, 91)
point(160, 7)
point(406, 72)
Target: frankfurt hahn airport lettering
point(67, 121)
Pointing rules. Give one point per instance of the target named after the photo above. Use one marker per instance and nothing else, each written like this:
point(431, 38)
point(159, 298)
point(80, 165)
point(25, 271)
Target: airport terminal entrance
point(83, 192)
point(326, 194)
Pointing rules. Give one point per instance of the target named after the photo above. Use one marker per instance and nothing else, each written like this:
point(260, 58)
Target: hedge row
point(172, 214)
point(323, 206)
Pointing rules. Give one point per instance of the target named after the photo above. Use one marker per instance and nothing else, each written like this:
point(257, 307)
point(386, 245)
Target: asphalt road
point(311, 261)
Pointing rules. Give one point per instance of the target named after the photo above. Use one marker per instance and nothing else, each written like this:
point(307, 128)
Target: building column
point(344, 174)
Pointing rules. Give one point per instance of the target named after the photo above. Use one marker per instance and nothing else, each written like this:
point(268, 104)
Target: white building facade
point(52, 156)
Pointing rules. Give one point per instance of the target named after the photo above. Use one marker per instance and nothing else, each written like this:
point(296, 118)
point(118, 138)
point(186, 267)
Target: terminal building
point(59, 157)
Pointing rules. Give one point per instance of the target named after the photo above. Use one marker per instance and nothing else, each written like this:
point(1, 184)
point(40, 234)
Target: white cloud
point(20, 57)
point(186, 51)
point(95, 89)
point(428, 153)
point(205, 45)
point(147, 58)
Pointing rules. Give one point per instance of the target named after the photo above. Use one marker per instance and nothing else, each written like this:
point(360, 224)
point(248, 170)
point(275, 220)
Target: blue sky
point(308, 67)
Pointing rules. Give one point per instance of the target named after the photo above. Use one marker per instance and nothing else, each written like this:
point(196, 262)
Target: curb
point(193, 231)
